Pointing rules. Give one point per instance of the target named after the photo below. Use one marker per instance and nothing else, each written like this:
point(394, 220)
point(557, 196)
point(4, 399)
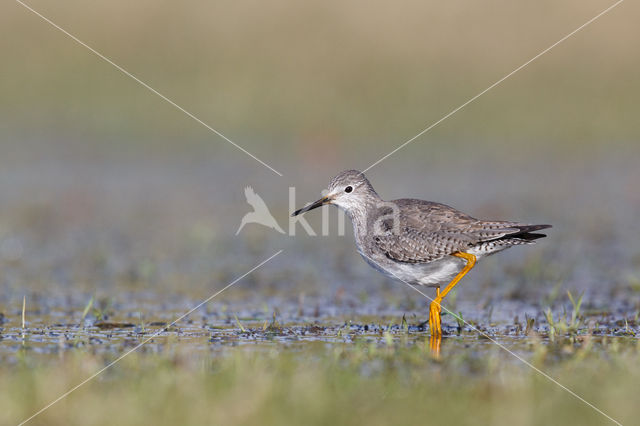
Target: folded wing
point(428, 231)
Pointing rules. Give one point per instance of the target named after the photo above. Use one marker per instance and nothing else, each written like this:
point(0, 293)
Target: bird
point(260, 213)
point(422, 243)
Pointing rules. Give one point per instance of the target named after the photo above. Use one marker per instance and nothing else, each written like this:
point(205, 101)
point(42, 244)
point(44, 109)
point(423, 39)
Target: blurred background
point(108, 190)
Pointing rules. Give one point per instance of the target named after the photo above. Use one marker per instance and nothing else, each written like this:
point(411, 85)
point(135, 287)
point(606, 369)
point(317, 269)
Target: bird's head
point(348, 190)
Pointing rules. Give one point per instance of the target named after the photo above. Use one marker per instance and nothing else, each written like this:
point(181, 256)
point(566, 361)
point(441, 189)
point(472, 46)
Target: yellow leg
point(435, 308)
point(434, 314)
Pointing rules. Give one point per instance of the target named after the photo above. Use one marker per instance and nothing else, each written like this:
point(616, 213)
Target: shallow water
point(114, 330)
point(149, 241)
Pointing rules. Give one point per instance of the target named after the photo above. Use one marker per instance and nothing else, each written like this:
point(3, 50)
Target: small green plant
point(565, 326)
point(242, 329)
point(87, 309)
point(575, 314)
point(552, 325)
point(404, 324)
point(274, 326)
point(142, 323)
point(530, 323)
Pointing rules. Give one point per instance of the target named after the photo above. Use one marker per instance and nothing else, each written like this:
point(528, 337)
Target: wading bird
point(422, 243)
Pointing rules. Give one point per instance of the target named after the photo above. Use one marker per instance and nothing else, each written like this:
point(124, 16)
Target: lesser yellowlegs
point(419, 242)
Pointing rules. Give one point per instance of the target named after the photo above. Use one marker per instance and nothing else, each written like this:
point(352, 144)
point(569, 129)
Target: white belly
point(433, 274)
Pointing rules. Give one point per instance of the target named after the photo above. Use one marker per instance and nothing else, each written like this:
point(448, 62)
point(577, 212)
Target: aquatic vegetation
point(565, 325)
point(87, 309)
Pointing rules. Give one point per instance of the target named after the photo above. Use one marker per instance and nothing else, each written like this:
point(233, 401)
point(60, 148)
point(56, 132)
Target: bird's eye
point(348, 189)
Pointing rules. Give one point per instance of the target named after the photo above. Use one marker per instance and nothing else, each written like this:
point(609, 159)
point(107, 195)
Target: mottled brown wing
point(428, 231)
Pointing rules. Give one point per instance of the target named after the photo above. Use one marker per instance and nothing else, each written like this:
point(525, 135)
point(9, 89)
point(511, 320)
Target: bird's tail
point(526, 232)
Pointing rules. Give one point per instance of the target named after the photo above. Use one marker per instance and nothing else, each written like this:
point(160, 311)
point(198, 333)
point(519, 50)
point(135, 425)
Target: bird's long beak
point(320, 202)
